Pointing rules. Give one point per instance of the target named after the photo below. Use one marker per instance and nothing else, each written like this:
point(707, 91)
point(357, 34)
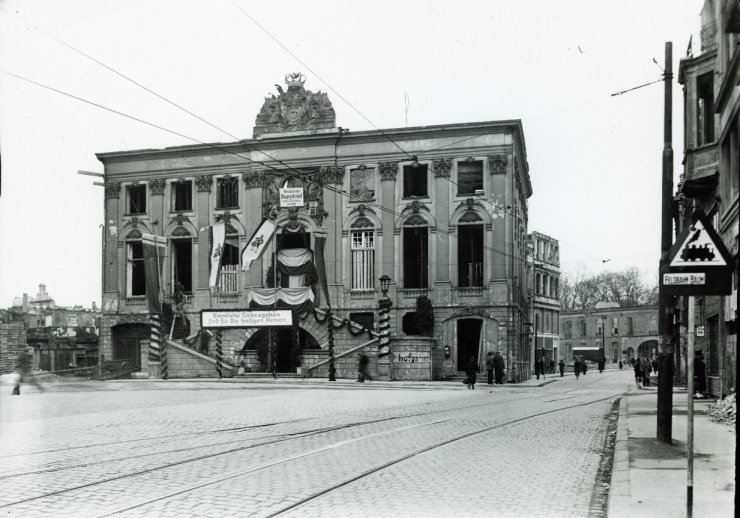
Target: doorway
point(127, 340)
point(468, 341)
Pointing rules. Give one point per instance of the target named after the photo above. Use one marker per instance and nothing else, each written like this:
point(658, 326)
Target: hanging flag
point(218, 238)
point(257, 243)
point(154, 250)
point(319, 242)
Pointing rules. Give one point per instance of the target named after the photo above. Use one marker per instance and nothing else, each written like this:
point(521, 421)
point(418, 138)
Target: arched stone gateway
point(648, 349)
point(288, 347)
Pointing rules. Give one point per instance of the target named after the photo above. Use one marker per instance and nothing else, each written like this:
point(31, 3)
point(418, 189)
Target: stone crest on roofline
point(295, 109)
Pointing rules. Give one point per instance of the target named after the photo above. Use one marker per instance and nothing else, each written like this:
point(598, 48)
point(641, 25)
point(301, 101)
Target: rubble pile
point(723, 411)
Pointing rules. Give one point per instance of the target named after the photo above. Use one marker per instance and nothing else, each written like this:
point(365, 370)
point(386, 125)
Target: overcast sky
point(594, 159)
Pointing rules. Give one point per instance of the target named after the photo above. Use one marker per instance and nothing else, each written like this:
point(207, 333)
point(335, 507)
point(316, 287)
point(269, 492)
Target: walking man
point(489, 367)
point(498, 368)
point(561, 365)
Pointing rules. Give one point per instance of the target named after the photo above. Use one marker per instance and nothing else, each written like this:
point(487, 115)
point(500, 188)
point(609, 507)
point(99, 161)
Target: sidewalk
point(649, 478)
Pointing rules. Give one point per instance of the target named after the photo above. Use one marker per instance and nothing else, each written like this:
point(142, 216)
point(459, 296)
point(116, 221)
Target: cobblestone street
point(230, 449)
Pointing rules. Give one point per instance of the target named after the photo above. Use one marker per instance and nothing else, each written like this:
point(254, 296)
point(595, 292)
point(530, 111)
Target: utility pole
point(665, 301)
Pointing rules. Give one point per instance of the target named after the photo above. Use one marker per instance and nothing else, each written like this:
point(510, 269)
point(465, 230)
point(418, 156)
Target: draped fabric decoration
point(300, 299)
point(293, 263)
point(218, 238)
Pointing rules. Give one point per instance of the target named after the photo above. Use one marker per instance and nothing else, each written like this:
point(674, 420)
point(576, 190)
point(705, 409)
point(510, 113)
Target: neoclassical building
point(545, 293)
point(441, 210)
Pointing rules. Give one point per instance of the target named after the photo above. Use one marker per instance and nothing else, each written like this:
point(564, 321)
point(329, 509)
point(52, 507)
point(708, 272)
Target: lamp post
point(384, 308)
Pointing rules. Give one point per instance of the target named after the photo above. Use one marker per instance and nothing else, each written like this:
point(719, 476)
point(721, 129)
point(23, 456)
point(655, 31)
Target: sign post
point(699, 264)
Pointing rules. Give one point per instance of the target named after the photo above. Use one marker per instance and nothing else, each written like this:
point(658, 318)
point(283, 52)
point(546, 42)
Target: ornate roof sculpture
point(295, 109)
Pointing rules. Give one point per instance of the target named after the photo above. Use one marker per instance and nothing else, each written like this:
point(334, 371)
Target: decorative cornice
point(416, 206)
point(253, 179)
point(469, 217)
point(134, 222)
point(361, 209)
point(156, 187)
point(226, 217)
point(469, 310)
point(203, 183)
point(388, 170)
point(179, 219)
point(497, 164)
point(362, 222)
point(331, 174)
point(112, 189)
point(441, 168)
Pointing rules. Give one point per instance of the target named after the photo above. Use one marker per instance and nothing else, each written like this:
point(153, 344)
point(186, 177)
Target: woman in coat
point(471, 370)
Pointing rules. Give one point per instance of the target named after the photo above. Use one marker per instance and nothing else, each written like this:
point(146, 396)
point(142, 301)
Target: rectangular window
point(583, 328)
point(469, 177)
point(630, 326)
point(653, 325)
point(365, 319)
point(182, 264)
point(135, 285)
point(182, 196)
point(569, 329)
point(136, 199)
point(615, 326)
point(470, 255)
point(415, 181)
point(227, 192)
point(415, 257)
point(362, 184)
point(363, 260)
point(704, 109)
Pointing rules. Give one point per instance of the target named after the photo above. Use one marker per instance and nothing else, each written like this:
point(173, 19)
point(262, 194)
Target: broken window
point(415, 181)
point(135, 285)
point(182, 264)
point(227, 192)
point(182, 196)
point(470, 256)
point(415, 257)
point(136, 199)
point(469, 177)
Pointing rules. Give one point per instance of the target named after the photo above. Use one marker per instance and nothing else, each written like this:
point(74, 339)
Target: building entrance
point(468, 341)
point(127, 340)
point(287, 355)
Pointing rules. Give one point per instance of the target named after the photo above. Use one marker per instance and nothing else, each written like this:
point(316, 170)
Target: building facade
point(711, 175)
point(545, 293)
point(442, 210)
point(615, 333)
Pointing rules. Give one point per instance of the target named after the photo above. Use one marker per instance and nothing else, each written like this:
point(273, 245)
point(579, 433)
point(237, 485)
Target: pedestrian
point(363, 368)
point(577, 367)
point(490, 366)
point(561, 366)
point(539, 368)
point(620, 365)
point(654, 364)
point(498, 368)
point(584, 366)
point(632, 361)
point(700, 375)
point(601, 364)
point(552, 366)
point(638, 372)
point(23, 374)
point(645, 372)
point(471, 370)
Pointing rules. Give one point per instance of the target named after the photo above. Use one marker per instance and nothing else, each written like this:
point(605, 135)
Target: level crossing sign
point(699, 263)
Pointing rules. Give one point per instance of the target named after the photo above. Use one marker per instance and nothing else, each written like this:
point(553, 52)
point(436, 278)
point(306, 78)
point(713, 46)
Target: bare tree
point(625, 287)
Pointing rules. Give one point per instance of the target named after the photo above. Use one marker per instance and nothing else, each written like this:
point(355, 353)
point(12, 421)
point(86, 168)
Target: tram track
point(54, 466)
point(295, 435)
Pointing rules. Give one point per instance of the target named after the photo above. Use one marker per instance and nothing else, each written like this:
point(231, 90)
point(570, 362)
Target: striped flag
point(217, 248)
point(154, 250)
point(257, 243)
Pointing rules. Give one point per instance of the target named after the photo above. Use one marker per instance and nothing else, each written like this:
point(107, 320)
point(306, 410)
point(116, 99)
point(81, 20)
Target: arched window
point(362, 254)
point(415, 239)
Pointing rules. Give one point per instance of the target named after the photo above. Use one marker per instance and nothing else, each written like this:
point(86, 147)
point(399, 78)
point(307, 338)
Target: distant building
point(545, 289)
point(711, 175)
point(616, 333)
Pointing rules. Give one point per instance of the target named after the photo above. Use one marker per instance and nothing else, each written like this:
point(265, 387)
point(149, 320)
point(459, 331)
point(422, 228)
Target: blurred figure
point(561, 366)
point(539, 368)
point(638, 372)
point(490, 366)
point(620, 365)
point(577, 367)
point(471, 370)
point(23, 371)
point(363, 368)
point(700, 375)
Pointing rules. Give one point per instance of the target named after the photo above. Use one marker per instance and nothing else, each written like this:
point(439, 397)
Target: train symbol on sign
point(697, 253)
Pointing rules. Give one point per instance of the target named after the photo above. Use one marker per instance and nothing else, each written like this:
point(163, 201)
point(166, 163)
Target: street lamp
point(385, 282)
